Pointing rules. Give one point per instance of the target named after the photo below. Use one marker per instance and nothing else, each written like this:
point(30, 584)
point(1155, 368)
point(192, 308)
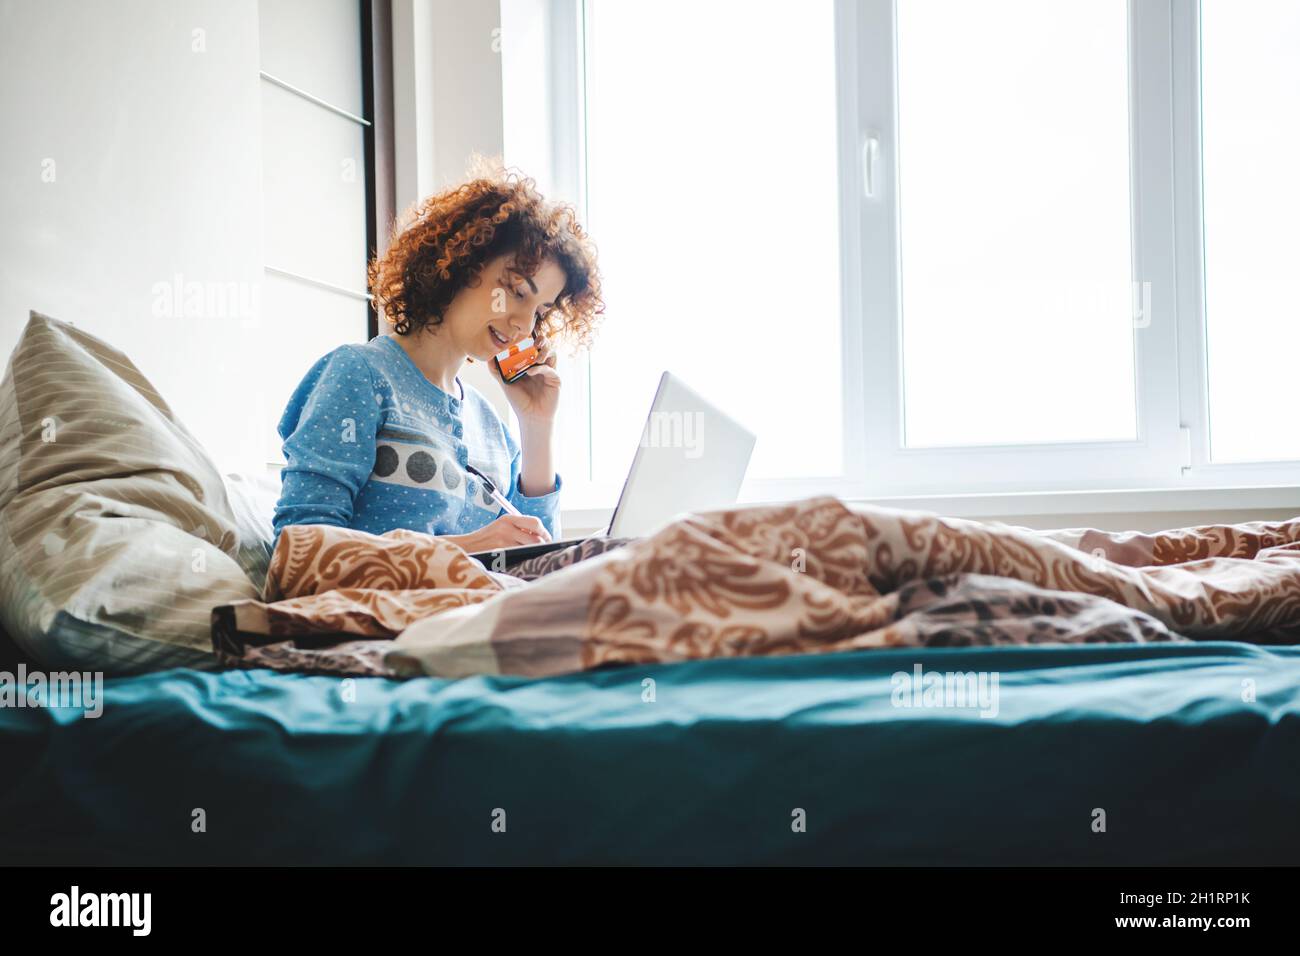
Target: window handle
point(870, 157)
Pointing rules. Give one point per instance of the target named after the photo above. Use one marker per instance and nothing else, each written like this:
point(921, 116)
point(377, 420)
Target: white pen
point(497, 496)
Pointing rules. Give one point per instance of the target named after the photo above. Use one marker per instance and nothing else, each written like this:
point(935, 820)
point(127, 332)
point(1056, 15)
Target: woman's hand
point(536, 397)
point(508, 531)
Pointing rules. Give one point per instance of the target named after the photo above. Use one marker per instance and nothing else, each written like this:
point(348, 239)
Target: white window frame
point(1167, 465)
point(1150, 458)
point(1185, 41)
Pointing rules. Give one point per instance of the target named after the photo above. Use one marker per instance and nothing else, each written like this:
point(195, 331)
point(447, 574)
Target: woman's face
point(502, 309)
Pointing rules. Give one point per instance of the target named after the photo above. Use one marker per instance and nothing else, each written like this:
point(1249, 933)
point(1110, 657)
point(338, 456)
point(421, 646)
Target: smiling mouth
point(500, 340)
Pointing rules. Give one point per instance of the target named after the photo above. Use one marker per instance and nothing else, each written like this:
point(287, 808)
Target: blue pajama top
point(370, 443)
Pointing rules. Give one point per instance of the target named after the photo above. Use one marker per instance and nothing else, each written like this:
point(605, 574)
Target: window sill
point(1142, 509)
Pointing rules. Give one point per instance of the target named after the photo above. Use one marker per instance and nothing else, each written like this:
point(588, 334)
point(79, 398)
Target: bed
point(296, 769)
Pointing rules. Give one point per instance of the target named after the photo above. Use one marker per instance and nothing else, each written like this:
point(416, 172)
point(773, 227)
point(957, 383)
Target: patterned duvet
point(816, 576)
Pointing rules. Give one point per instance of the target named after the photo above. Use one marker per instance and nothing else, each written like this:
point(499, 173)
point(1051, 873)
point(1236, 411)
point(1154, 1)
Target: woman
point(385, 435)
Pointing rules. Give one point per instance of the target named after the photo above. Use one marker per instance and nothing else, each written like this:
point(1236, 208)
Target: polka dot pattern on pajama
point(370, 443)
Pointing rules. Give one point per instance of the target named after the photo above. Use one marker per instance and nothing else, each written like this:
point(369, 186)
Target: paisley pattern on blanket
point(308, 562)
point(815, 576)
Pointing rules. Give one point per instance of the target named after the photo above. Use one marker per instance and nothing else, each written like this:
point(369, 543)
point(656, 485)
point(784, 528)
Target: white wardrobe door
point(313, 192)
point(316, 46)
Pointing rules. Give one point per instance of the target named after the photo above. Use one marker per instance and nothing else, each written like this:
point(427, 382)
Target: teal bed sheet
point(719, 768)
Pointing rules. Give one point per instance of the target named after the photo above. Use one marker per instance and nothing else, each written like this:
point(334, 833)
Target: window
point(711, 187)
point(1014, 208)
point(1250, 109)
point(938, 247)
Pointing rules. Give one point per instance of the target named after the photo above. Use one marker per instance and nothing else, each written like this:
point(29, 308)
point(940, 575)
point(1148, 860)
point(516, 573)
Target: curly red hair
point(454, 234)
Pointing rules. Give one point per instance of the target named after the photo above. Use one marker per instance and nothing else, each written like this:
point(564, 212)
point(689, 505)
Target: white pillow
point(253, 498)
point(117, 534)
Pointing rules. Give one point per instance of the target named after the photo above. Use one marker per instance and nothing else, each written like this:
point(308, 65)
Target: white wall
point(150, 175)
point(447, 106)
point(131, 162)
point(467, 85)
point(446, 91)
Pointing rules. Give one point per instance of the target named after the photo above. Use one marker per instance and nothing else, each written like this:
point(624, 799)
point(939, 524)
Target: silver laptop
point(692, 457)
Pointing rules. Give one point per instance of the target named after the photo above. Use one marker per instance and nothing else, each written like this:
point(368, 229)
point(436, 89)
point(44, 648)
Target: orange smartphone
point(516, 360)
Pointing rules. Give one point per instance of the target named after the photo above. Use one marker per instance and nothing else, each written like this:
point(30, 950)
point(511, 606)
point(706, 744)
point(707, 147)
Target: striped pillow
point(117, 537)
